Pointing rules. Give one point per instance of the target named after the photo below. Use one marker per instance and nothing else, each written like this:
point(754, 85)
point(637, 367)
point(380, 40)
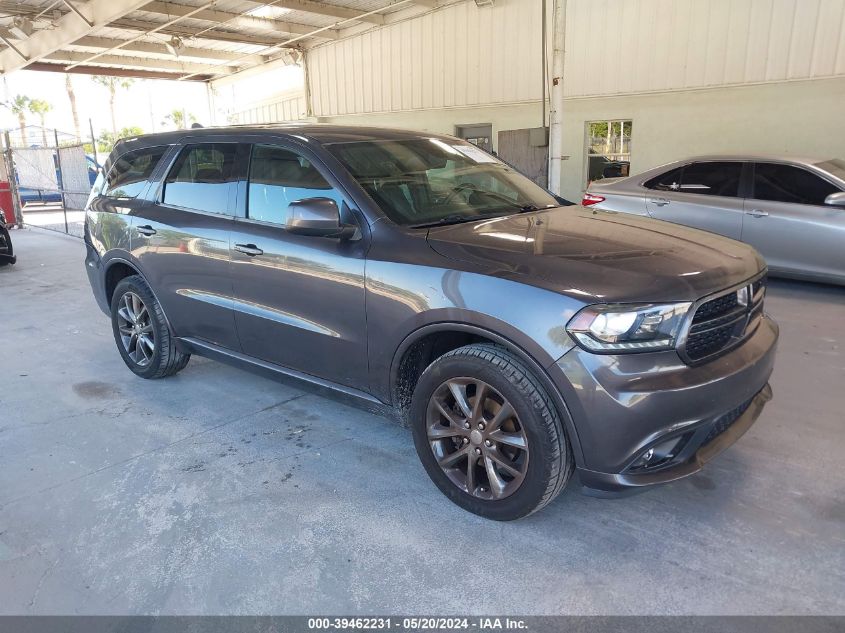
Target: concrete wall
point(444, 120)
point(721, 76)
point(798, 118)
point(801, 118)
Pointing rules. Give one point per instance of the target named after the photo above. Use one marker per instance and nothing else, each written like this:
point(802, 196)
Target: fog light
point(660, 454)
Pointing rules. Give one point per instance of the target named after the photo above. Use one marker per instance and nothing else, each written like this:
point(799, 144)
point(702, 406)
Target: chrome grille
point(722, 323)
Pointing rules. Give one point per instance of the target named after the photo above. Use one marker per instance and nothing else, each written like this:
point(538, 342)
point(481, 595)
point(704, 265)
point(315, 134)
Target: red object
point(6, 202)
point(590, 199)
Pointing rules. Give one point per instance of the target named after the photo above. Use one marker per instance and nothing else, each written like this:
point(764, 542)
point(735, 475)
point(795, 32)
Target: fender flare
point(537, 369)
point(117, 259)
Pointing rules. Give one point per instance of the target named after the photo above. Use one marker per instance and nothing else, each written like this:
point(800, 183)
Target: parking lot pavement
point(218, 491)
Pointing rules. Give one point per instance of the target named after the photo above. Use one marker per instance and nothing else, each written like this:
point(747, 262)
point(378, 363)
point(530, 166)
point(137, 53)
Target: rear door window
point(670, 181)
point(130, 173)
point(786, 183)
point(203, 178)
point(711, 178)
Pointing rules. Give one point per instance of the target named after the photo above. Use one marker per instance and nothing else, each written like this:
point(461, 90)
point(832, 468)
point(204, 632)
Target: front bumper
point(623, 405)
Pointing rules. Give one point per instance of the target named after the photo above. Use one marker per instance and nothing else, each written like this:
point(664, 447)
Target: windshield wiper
point(454, 218)
point(520, 208)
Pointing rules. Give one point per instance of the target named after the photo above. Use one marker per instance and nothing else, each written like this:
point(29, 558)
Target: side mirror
point(836, 199)
point(319, 217)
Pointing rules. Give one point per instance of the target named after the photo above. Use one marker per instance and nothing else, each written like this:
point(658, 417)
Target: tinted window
point(712, 179)
point(202, 177)
point(278, 177)
point(785, 183)
point(421, 181)
point(130, 173)
point(670, 181)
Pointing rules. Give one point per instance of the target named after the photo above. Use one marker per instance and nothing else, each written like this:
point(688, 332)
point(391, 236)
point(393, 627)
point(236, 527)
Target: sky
point(143, 105)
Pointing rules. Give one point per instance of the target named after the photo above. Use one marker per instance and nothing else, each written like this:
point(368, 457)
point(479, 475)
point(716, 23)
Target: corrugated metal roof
point(239, 28)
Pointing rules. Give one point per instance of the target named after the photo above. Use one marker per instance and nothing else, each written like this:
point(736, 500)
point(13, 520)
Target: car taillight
point(590, 199)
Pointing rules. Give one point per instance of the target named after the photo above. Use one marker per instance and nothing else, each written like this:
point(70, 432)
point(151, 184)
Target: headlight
point(628, 328)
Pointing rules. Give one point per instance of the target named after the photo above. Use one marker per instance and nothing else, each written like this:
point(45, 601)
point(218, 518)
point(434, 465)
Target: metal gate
point(48, 181)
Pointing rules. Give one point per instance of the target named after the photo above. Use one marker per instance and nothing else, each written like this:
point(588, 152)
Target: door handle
point(757, 213)
point(146, 230)
point(660, 202)
point(248, 249)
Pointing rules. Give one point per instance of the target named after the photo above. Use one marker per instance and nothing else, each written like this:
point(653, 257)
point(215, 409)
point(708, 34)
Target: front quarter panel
point(402, 298)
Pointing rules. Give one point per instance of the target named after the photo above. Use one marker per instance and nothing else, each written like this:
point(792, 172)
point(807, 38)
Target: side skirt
point(319, 386)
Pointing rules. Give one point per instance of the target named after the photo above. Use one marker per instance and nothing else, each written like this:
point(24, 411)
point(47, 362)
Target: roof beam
point(69, 28)
point(235, 20)
point(181, 31)
point(319, 8)
point(72, 57)
point(161, 49)
point(115, 72)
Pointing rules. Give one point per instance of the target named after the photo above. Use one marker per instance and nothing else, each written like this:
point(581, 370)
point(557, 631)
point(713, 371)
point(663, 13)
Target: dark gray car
point(521, 340)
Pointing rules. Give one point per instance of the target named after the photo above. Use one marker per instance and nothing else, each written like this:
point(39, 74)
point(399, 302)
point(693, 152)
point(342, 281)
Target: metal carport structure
point(191, 40)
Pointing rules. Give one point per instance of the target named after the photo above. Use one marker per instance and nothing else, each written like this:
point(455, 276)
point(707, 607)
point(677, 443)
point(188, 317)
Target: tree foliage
point(106, 140)
point(176, 117)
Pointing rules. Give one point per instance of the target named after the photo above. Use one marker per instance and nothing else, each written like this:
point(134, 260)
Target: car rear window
point(131, 172)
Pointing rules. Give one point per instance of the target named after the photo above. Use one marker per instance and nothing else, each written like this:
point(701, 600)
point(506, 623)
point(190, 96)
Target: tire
point(135, 327)
point(532, 476)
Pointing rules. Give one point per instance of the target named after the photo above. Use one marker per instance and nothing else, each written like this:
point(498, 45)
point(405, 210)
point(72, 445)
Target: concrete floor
point(218, 491)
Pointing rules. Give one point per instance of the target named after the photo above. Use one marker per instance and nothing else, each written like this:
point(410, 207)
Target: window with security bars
point(608, 151)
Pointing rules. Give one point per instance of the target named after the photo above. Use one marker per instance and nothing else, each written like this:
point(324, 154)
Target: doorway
point(480, 134)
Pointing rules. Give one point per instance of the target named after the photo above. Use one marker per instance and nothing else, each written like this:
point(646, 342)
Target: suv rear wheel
point(487, 433)
point(141, 333)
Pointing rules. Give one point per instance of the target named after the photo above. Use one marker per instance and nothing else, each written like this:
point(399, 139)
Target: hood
point(603, 255)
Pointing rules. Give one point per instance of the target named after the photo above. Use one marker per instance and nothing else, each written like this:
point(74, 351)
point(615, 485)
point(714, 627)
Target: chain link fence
point(48, 176)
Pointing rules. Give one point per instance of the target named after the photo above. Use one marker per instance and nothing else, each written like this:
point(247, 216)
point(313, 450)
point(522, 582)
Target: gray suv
point(520, 339)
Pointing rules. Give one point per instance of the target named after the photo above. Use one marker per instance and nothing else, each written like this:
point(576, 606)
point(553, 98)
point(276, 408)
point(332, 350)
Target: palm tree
point(177, 117)
point(113, 83)
point(107, 140)
point(41, 108)
point(72, 98)
point(19, 106)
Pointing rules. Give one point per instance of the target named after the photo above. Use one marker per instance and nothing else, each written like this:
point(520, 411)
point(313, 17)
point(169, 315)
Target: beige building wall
point(694, 76)
point(801, 118)
point(444, 120)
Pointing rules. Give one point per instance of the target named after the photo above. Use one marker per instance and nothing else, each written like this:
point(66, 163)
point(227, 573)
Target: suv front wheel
point(487, 433)
point(141, 333)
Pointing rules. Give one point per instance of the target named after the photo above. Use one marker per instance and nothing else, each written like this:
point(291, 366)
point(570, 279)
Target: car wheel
point(488, 434)
point(141, 332)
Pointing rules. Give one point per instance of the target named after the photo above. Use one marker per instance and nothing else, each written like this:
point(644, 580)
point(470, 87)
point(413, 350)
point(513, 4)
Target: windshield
point(835, 167)
point(430, 181)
